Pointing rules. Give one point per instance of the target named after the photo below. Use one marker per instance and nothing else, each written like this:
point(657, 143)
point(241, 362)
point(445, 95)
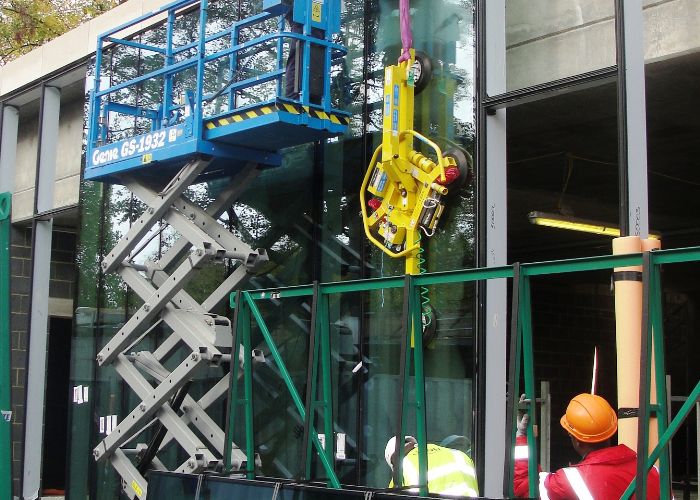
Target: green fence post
point(529, 365)
point(326, 385)
point(232, 384)
point(5, 378)
point(419, 376)
point(666, 437)
point(244, 322)
point(514, 383)
point(656, 320)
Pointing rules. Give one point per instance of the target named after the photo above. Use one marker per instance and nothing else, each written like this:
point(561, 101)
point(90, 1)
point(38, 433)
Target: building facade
point(584, 110)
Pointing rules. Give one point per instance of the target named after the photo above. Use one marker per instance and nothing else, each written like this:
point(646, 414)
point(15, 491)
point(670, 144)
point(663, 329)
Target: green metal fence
point(5, 379)
point(521, 361)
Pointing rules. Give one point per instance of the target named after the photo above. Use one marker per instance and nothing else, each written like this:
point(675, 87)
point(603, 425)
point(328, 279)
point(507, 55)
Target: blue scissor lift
point(214, 103)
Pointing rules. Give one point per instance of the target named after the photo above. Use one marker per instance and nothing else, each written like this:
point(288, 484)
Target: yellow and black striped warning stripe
point(288, 107)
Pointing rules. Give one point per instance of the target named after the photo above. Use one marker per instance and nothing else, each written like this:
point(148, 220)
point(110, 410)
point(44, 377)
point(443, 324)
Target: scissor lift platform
point(249, 118)
point(159, 143)
point(279, 124)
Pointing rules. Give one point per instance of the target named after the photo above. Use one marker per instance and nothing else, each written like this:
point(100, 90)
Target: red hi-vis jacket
point(602, 475)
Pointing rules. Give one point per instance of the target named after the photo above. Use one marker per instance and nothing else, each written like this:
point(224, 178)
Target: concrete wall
point(548, 40)
point(69, 153)
point(25, 169)
point(68, 158)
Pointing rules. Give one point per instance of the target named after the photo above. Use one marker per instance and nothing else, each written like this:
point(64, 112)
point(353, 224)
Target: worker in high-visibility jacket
point(450, 472)
point(604, 472)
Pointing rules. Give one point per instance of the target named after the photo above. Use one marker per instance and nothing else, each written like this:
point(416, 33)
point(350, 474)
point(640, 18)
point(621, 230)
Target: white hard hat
point(391, 447)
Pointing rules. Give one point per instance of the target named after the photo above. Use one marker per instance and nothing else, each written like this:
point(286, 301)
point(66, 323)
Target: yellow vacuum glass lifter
point(407, 186)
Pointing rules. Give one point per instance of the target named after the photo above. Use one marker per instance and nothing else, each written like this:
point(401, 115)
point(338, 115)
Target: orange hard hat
point(589, 418)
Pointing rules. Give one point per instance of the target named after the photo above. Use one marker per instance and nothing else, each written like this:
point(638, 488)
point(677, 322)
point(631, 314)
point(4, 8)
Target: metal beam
point(39, 298)
point(632, 119)
point(493, 164)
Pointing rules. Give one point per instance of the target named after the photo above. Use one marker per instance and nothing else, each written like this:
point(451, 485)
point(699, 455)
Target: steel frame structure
point(521, 362)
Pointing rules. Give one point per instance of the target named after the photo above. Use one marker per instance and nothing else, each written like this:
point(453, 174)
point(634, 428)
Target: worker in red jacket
point(604, 472)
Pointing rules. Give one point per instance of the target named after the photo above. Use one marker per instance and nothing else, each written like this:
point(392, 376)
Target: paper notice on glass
point(108, 425)
point(78, 394)
point(102, 425)
point(85, 394)
point(340, 446)
point(114, 422)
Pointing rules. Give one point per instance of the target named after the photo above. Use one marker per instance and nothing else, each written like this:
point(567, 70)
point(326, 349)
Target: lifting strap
point(406, 33)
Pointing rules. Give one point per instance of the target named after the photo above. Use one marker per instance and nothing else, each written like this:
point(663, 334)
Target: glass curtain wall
point(559, 92)
point(306, 214)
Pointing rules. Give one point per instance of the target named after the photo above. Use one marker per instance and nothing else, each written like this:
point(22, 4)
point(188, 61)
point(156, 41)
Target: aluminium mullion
point(153, 213)
point(5, 343)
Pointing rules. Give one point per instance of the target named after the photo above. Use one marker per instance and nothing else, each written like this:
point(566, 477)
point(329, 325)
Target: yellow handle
point(438, 152)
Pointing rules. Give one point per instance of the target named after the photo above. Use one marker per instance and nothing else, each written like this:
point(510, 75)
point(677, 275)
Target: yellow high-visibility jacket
point(450, 472)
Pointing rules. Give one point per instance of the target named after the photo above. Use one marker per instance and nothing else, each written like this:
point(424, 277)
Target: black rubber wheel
point(464, 166)
point(422, 72)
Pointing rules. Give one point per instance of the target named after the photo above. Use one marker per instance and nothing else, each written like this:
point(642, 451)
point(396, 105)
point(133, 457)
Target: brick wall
point(20, 281)
point(61, 285)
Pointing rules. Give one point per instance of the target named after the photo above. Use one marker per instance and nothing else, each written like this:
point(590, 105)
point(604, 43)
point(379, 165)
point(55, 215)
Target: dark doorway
point(56, 409)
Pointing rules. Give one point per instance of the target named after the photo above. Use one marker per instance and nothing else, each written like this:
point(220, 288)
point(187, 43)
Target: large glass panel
point(305, 214)
point(368, 326)
point(548, 40)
